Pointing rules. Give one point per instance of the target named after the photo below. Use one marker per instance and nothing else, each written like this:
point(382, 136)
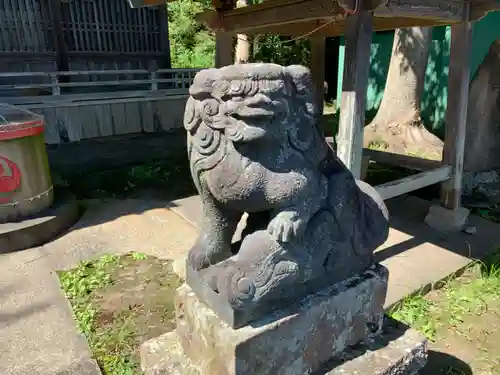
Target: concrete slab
point(122, 226)
point(416, 255)
point(39, 335)
point(189, 209)
point(38, 332)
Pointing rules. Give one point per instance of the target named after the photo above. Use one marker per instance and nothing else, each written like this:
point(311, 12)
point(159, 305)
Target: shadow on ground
point(445, 364)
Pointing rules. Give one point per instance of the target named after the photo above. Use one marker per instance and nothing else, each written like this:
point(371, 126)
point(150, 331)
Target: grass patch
point(472, 293)
point(462, 318)
point(491, 213)
point(120, 302)
point(416, 311)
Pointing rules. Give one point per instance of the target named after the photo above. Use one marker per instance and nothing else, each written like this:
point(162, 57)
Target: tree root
point(406, 138)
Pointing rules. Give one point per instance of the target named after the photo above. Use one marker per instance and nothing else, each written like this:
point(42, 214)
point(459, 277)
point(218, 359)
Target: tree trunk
point(482, 141)
point(397, 127)
point(242, 54)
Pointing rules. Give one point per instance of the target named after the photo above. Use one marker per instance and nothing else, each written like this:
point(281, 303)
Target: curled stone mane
point(208, 119)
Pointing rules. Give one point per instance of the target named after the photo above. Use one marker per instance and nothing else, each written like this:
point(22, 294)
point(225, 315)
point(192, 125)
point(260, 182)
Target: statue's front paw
point(286, 225)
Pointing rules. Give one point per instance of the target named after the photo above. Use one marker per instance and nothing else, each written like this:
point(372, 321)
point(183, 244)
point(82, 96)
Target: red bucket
point(25, 182)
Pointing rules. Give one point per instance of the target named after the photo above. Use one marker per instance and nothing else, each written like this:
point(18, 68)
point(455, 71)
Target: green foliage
point(79, 283)
point(416, 312)
point(192, 45)
point(282, 50)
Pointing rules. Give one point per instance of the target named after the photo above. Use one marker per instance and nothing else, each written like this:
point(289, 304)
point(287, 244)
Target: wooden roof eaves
point(267, 16)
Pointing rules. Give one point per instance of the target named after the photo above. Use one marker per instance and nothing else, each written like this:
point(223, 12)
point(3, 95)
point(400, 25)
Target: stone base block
point(446, 220)
point(294, 341)
point(398, 350)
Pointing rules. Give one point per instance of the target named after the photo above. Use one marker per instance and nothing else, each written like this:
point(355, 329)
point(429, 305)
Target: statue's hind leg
point(214, 241)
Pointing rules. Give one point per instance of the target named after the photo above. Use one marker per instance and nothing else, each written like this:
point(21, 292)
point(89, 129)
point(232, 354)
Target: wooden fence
point(93, 104)
point(51, 35)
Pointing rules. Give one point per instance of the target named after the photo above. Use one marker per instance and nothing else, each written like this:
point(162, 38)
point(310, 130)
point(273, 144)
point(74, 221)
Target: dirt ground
point(462, 322)
point(120, 302)
point(472, 347)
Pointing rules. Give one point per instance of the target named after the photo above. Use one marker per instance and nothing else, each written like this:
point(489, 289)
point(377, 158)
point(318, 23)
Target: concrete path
point(416, 255)
point(37, 330)
point(39, 336)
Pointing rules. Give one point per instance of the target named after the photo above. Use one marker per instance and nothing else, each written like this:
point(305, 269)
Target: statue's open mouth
point(259, 106)
point(253, 112)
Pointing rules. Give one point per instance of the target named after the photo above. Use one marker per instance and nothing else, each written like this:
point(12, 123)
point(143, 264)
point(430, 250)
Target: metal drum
point(25, 182)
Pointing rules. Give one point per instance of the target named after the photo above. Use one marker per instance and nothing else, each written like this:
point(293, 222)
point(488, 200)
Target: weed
point(416, 311)
point(472, 294)
point(170, 176)
point(138, 256)
point(111, 327)
point(378, 144)
point(79, 283)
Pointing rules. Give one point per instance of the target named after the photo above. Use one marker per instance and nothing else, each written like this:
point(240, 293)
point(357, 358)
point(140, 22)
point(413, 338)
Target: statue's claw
point(198, 258)
point(286, 226)
point(202, 256)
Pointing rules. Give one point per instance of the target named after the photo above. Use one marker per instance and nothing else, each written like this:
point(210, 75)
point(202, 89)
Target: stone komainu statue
point(255, 147)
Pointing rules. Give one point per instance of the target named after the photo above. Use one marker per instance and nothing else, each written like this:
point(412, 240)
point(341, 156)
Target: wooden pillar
point(358, 37)
point(166, 59)
point(223, 49)
point(456, 110)
point(61, 48)
point(318, 50)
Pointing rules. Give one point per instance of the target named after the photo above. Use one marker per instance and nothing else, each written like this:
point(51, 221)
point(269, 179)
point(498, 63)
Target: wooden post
point(318, 48)
point(223, 49)
point(358, 37)
point(456, 110)
point(166, 59)
point(55, 14)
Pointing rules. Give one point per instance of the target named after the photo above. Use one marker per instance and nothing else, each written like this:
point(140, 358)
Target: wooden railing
point(94, 104)
point(90, 82)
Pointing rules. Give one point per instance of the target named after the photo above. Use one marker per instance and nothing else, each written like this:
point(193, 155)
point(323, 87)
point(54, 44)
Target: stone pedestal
point(300, 293)
point(398, 350)
point(307, 338)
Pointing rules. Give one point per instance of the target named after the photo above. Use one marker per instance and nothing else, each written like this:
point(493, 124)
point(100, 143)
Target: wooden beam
point(355, 83)
point(456, 110)
point(146, 3)
point(445, 10)
point(481, 8)
point(318, 48)
point(404, 161)
point(282, 12)
point(269, 13)
point(224, 53)
point(411, 183)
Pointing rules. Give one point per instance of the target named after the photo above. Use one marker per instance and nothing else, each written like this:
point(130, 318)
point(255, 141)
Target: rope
point(356, 9)
point(31, 199)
